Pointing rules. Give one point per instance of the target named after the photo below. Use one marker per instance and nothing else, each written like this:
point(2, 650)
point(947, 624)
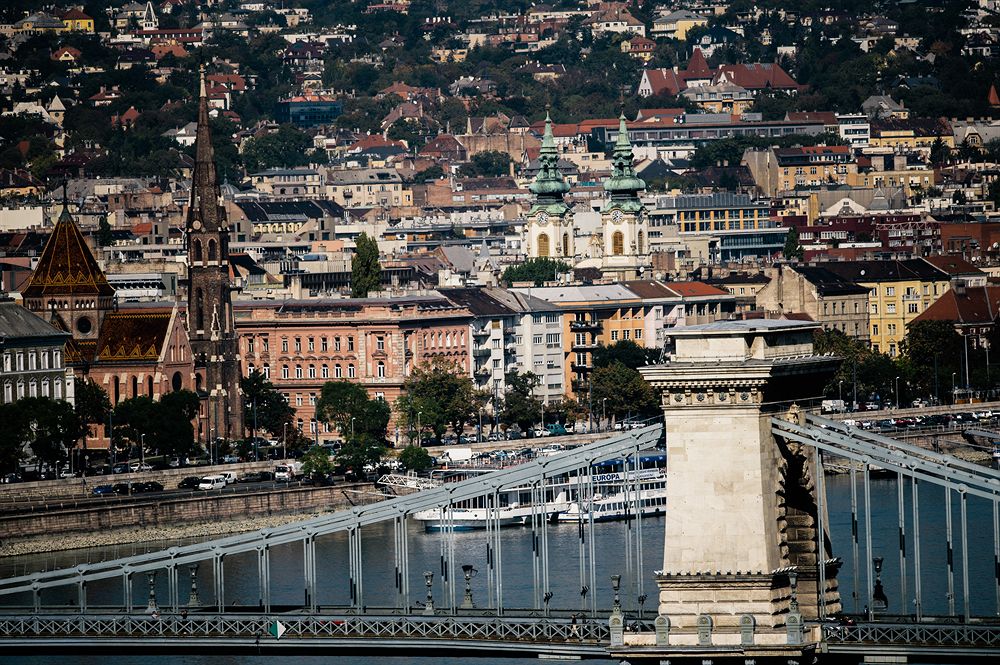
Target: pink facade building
point(301, 344)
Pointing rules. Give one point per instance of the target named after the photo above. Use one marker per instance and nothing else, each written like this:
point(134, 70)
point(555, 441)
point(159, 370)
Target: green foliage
point(316, 462)
point(626, 392)
point(537, 270)
point(415, 458)
point(430, 173)
point(360, 452)
point(627, 353)
point(104, 234)
point(163, 427)
point(490, 164)
point(48, 427)
point(346, 406)
point(287, 147)
point(793, 248)
point(439, 397)
point(92, 402)
point(931, 345)
point(520, 406)
point(273, 412)
point(366, 273)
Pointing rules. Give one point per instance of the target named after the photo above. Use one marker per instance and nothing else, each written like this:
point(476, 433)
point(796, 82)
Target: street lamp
point(142, 449)
point(954, 390)
point(284, 439)
point(469, 572)
point(897, 392)
point(352, 427)
point(420, 435)
point(604, 411)
point(429, 581)
point(840, 393)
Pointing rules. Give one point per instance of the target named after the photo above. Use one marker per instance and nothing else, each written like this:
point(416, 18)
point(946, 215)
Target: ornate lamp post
point(193, 600)
point(429, 581)
point(469, 572)
point(880, 602)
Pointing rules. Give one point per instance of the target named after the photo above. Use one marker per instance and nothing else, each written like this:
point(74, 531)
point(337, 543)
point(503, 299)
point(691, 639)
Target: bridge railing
point(915, 635)
point(530, 629)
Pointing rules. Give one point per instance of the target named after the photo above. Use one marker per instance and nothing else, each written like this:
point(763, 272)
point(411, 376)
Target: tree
point(51, 426)
point(415, 458)
point(164, 427)
point(438, 397)
point(520, 406)
point(366, 273)
point(12, 437)
point(287, 147)
point(104, 234)
point(359, 453)
point(267, 407)
point(627, 353)
point(620, 390)
point(316, 462)
point(92, 404)
point(346, 405)
point(793, 249)
point(538, 270)
point(930, 346)
point(489, 163)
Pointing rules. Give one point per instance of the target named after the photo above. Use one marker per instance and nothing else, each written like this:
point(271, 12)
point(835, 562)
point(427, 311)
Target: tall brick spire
point(210, 310)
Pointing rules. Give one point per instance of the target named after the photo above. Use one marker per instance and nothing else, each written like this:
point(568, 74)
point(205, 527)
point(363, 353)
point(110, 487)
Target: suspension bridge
point(746, 571)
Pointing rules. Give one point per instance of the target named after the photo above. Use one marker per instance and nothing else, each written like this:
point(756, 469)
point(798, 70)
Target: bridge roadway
point(462, 632)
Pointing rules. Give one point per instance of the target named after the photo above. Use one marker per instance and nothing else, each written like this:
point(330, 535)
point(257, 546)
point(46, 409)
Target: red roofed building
point(972, 309)
point(754, 77)
point(66, 54)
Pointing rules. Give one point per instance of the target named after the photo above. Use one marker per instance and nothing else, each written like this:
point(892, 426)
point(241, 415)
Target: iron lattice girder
point(565, 462)
point(891, 454)
point(967, 636)
point(531, 629)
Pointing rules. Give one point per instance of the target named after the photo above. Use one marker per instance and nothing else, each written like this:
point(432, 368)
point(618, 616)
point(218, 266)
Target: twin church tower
point(621, 243)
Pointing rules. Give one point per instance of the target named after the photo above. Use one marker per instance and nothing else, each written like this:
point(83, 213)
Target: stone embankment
point(172, 518)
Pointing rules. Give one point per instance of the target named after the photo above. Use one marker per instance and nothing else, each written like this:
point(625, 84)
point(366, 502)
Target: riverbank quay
point(162, 518)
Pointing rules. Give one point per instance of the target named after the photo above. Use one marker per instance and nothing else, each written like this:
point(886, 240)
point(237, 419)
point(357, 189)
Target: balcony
point(584, 326)
point(482, 332)
point(482, 371)
point(581, 368)
point(585, 346)
point(481, 352)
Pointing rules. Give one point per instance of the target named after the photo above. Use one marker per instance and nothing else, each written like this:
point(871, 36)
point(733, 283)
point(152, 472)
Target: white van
point(229, 476)
point(212, 483)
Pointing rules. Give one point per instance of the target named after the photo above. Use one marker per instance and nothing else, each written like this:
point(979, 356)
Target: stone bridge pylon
point(742, 513)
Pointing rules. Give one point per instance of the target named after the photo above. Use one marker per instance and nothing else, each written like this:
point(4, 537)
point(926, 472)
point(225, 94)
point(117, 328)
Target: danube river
point(610, 554)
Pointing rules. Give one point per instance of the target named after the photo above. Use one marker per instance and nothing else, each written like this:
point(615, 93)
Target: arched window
point(211, 250)
point(312, 371)
point(380, 370)
point(338, 371)
point(57, 389)
point(543, 244)
point(350, 371)
point(565, 245)
point(284, 371)
point(116, 391)
point(617, 243)
point(267, 371)
point(196, 250)
point(298, 371)
point(176, 382)
point(638, 242)
point(135, 386)
point(325, 372)
point(149, 386)
point(45, 387)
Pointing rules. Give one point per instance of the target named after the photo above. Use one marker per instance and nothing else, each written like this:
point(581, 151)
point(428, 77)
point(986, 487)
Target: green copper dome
point(549, 186)
point(623, 185)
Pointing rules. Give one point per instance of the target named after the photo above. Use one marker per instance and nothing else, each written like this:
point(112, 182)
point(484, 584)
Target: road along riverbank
point(173, 518)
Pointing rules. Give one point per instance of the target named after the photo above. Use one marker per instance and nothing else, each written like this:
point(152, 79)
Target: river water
point(425, 549)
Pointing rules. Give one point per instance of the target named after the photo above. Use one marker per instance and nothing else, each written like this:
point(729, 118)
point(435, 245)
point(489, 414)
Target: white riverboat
point(609, 492)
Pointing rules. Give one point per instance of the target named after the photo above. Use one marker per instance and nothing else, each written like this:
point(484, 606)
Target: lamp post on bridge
point(469, 571)
point(897, 393)
point(193, 600)
point(954, 389)
point(429, 581)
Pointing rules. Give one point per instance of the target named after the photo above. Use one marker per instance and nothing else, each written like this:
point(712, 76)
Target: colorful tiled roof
point(130, 336)
point(67, 266)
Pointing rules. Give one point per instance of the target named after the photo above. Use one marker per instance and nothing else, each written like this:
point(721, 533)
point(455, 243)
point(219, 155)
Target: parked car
point(137, 466)
point(102, 490)
point(230, 459)
point(119, 468)
point(150, 486)
point(556, 429)
point(122, 488)
point(229, 476)
point(68, 473)
point(189, 483)
point(212, 483)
